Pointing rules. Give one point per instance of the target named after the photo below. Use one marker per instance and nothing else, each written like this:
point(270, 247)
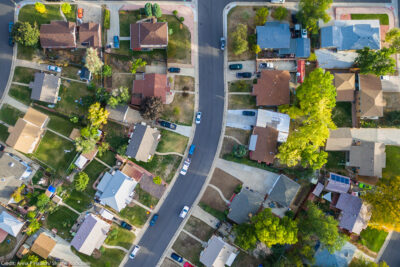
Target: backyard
point(21, 93)
point(188, 247)
point(70, 72)
point(108, 157)
point(392, 162)
point(58, 122)
point(28, 13)
point(24, 75)
point(172, 142)
point(135, 215)
point(9, 114)
point(120, 237)
point(180, 110)
point(163, 166)
point(61, 219)
point(242, 102)
point(373, 238)
point(341, 114)
point(7, 245)
point(116, 134)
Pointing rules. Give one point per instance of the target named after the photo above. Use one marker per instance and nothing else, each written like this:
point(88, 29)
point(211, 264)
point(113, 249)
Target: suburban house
point(123, 114)
point(369, 100)
point(149, 35)
point(43, 245)
point(351, 35)
point(276, 120)
point(85, 158)
point(245, 205)
point(263, 144)
point(340, 257)
point(338, 183)
point(13, 172)
point(151, 85)
point(143, 142)
point(90, 34)
point(45, 87)
point(368, 157)
point(135, 171)
point(345, 84)
point(272, 88)
point(339, 140)
point(115, 190)
point(9, 225)
point(91, 234)
point(355, 214)
point(58, 35)
point(218, 253)
point(26, 133)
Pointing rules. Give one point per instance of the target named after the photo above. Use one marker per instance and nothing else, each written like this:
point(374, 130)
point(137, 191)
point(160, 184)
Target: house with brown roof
point(345, 84)
point(143, 142)
point(135, 171)
point(368, 157)
point(45, 87)
point(272, 88)
point(26, 133)
point(58, 35)
point(90, 34)
point(339, 140)
point(263, 143)
point(43, 245)
point(369, 100)
point(152, 85)
point(149, 35)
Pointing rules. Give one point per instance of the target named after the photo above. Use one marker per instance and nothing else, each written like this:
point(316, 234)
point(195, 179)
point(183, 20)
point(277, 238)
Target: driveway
point(91, 12)
point(114, 22)
point(388, 136)
point(391, 254)
point(6, 15)
point(248, 66)
point(180, 129)
point(235, 119)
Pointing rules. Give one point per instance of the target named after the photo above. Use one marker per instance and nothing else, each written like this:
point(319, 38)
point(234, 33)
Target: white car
point(198, 117)
point(184, 212)
point(134, 252)
point(303, 33)
point(53, 68)
point(185, 166)
point(277, 1)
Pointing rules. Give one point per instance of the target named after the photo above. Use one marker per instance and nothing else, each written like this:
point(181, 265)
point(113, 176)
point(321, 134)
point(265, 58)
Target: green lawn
point(383, 18)
point(28, 13)
point(116, 134)
point(21, 93)
point(37, 177)
point(51, 152)
point(26, 52)
point(336, 160)
point(341, 114)
point(70, 72)
point(172, 142)
point(24, 75)
point(179, 43)
point(241, 86)
point(392, 162)
point(71, 16)
point(9, 114)
point(3, 133)
point(126, 18)
point(242, 102)
point(109, 257)
point(216, 213)
point(163, 166)
point(145, 198)
point(62, 219)
point(135, 215)
point(120, 237)
point(373, 238)
point(71, 94)
point(5, 247)
point(58, 123)
point(93, 170)
point(108, 157)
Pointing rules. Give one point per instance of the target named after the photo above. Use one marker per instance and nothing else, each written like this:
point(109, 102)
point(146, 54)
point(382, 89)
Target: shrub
point(170, 31)
point(41, 8)
point(107, 71)
point(181, 19)
point(157, 11)
point(239, 39)
point(175, 13)
point(66, 8)
point(256, 49)
point(261, 16)
point(239, 151)
point(280, 13)
point(157, 180)
point(106, 19)
point(312, 57)
point(148, 10)
point(176, 111)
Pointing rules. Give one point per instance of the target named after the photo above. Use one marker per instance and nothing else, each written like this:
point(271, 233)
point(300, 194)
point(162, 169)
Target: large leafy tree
point(157, 11)
point(245, 236)
point(33, 226)
point(151, 107)
point(393, 39)
point(42, 201)
point(280, 13)
point(261, 16)
point(312, 112)
point(26, 34)
point(81, 181)
point(378, 62)
point(138, 63)
point(97, 115)
point(311, 11)
point(119, 96)
point(40, 7)
point(92, 60)
point(239, 39)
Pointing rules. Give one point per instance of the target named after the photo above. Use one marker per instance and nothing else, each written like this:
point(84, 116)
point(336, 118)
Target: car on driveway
point(267, 65)
point(198, 117)
point(174, 70)
point(154, 219)
point(222, 43)
point(126, 225)
point(243, 75)
point(116, 41)
point(53, 68)
point(80, 13)
point(185, 166)
point(235, 66)
point(184, 212)
point(134, 252)
point(167, 124)
point(176, 257)
point(248, 113)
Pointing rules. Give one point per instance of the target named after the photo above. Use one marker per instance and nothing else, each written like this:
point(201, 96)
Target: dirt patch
point(242, 135)
point(184, 83)
point(169, 263)
point(122, 79)
point(65, 56)
point(199, 228)
point(392, 101)
point(188, 248)
point(227, 146)
point(213, 199)
point(118, 63)
point(225, 182)
point(180, 110)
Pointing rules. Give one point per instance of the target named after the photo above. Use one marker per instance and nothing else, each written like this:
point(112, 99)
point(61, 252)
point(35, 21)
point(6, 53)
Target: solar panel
point(340, 179)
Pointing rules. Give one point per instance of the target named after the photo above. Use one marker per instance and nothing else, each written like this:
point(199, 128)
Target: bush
point(239, 39)
point(170, 31)
point(312, 57)
point(181, 19)
point(157, 11)
point(66, 8)
point(107, 71)
point(261, 16)
point(157, 180)
point(239, 151)
point(148, 10)
point(176, 111)
point(256, 48)
point(175, 13)
point(106, 19)
point(40, 8)
point(280, 13)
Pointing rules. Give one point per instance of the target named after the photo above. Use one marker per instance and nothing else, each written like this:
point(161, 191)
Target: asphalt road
point(6, 15)
point(391, 254)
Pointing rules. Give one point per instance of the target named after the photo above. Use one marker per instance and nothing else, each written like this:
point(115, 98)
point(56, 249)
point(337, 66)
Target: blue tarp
point(51, 189)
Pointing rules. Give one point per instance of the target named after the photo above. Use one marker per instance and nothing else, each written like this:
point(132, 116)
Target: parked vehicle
point(80, 13)
point(198, 117)
point(303, 33)
point(184, 212)
point(185, 166)
point(134, 252)
point(243, 75)
point(154, 220)
point(235, 66)
point(266, 65)
point(167, 124)
point(126, 225)
point(176, 257)
point(277, 1)
point(248, 113)
point(10, 26)
point(191, 149)
point(10, 40)
point(116, 41)
point(2, 147)
point(222, 43)
point(187, 264)
point(364, 186)
point(174, 70)
point(53, 68)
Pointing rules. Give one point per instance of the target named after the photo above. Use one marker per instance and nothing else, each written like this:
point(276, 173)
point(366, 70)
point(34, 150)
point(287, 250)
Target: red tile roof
point(58, 34)
point(153, 84)
point(272, 88)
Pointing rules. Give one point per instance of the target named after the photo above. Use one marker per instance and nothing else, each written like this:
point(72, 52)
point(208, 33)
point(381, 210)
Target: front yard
point(144, 197)
point(188, 248)
point(241, 86)
point(109, 257)
point(163, 166)
point(180, 110)
point(135, 215)
point(62, 219)
point(9, 114)
point(373, 238)
point(21, 93)
point(3, 133)
point(172, 142)
point(24, 75)
point(183, 83)
point(383, 18)
point(242, 102)
point(28, 13)
point(199, 228)
point(179, 42)
point(126, 18)
point(120, 237)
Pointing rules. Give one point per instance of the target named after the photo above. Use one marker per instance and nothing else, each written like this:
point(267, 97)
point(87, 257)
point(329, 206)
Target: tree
point(17, 195)
point(41, 8)
point(316, 224)
point(107, 71)
point(33, 227)
point(385, 203)
point(32, 261)
point(148, 10)
point(157, 180)
point(151, 107)
point(393, 39)
point(26, 34)
point(157, 11)
point(138, 63)
point(280, 13)
point(84, 145)
point(74, 119)
point(239, 151)
point(92, 60)
point(311, 11)
point(97, 115)
point(66, 8)
point(312, 110)
point(245, 236)
point(377, 62)
point(239, 39)
point(31, 215)
point(104, 147)
point(121, 150)
point(81, 181)
point(42, 201)
point(261, 16)
point(119, 96)
point(256, 48)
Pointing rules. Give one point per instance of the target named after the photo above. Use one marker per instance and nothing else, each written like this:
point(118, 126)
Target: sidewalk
point(205, 216)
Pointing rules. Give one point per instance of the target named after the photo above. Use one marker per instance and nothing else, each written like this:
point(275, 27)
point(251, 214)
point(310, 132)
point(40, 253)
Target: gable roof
point(338, 183)
point(370, 101)
point(351, 35)
point(266, 140)
point(43, 245)
point(91, 234)
point(272, 88)
point(45, 87)
point(58, 34)
point(90, 32)
point(273, 35)
point(218, 253)
point(369, 157)
point(345, 84)
point(134, 171)
point(300, 47)
point(153, 84)
point(283, 191)
point(276, 120)
point(149, 35)
point(339, 140)
point(245, 203)
point(339, 258)
point(115, 190)
point(355, 214)
point(10, 224)
point(143, 142)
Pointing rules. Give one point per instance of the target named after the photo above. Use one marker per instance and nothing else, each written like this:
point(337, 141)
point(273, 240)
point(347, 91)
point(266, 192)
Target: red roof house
point(152, 84)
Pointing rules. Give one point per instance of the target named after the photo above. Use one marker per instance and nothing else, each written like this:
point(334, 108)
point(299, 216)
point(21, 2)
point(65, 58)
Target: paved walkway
point(74, 80)
point(182, 92)
point(141, 205)
point(16, 104)
point(195, 237)
point(181, 129)
point(388, 136)
point(71, 208)
point(115, 247)
point(160, 69)
point(168, 153)
point(30, 64)
point(205, 216)
point(61, 135)
point(220, 193)
point(102, 162)
point(240, 93)
point(234, 139)
point(22, 84)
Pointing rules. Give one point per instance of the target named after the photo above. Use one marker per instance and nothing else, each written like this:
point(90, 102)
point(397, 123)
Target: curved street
point(6, 15)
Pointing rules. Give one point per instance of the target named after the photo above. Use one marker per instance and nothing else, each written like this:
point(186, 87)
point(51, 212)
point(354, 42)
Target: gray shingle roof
point(143, 142)
point(301, 47)
point(218, 253)
point(273, 35)
point(45, 87)
point(246, 202)
point(284, 191)
point(355, 215)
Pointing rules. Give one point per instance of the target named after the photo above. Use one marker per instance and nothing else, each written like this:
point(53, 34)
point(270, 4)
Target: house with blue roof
point(340, 258)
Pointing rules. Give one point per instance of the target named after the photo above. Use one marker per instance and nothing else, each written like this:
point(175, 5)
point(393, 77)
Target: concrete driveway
point(235, 119)
point(91, 12)
point(387, 136)
point(248, 66)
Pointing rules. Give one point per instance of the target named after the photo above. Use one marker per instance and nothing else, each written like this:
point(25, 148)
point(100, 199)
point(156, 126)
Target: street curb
point(387, 240)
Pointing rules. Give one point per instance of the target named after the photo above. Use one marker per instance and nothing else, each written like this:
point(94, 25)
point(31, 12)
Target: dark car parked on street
point(154, 219)
point(243, 75)
point(235, 66)
point(248, 113)
point(167, 124)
